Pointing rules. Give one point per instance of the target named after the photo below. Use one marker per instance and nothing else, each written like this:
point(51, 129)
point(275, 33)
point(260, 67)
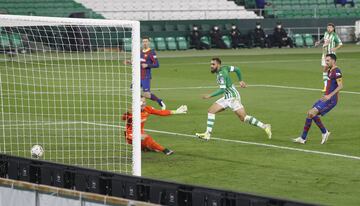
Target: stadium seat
point(152, 43)
point(127, 44)
point(298, 40)
point(4, 42)
point(206, 40)
point(309, 41)
point(182, 43)
point(227, 41)
point(16, 40)
point(171, 43)
point(160, 43)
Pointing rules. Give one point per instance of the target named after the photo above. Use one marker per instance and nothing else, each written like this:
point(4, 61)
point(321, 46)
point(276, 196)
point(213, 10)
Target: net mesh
point(64, 86)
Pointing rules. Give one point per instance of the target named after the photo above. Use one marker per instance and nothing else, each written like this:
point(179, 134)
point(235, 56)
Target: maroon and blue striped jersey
point(148, 57)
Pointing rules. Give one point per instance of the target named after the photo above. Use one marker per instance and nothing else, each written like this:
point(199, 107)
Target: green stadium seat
point(171, 43)
point(4, 42)
point(309, 41)
point(206, 40)
point(152, 43)
point(182, 43)
point(226, 40)
point(16, 41)
point(127, 44)
point(160, 43)
point(322, 2)
point(298, 40)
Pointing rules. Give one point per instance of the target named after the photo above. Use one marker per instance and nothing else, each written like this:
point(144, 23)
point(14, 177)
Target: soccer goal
point(64, 86)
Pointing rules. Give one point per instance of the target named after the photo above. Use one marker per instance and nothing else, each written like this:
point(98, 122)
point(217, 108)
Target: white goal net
point(64, 86)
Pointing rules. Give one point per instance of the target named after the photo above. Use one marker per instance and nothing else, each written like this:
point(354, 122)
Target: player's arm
point(338, 42)
point(181, 110)
point(238, 74)
point(154, 61)
point(338, 88)
point(215, 93)
point(320, 41)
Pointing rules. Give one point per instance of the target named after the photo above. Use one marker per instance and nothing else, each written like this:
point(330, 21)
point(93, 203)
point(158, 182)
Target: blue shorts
point(325, 107)
point(145, 84)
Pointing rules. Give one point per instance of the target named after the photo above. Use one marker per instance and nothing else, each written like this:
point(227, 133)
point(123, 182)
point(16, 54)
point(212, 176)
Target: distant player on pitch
point(148, 60)
point(331, 43)
point(147, 142)
point(326, 103)
point(231, 99)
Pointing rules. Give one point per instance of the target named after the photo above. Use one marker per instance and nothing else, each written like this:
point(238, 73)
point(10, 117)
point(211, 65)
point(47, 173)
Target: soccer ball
point(37, 151)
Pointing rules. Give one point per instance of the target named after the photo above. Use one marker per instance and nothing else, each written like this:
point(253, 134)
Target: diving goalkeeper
point(147, 142)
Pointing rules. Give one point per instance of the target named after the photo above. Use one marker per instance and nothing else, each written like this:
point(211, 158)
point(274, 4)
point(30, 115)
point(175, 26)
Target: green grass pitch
point(282, 85)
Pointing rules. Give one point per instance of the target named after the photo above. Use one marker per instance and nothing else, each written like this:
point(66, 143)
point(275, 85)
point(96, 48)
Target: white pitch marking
point(242, 142)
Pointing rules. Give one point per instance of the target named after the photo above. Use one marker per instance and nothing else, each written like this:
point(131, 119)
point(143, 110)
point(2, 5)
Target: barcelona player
point(147, 142)
point(326, 103)
point(148, 61)
point(231, 99)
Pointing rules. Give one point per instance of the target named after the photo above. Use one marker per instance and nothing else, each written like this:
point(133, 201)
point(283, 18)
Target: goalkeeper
point(147, 142)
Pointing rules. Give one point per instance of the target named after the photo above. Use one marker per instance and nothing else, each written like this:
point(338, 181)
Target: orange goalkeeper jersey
point(145, 113)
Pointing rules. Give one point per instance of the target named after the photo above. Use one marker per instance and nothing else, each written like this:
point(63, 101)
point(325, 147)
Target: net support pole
point(136, 107)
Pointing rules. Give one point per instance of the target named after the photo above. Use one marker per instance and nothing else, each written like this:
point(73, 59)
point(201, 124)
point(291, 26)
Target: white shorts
point(233, 103)
point(323, 60)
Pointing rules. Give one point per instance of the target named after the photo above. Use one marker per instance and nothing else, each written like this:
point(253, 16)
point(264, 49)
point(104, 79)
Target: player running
point(147, 142)
point(331, 43)
point(231, 99)
point(326, 103)
point(148, 60)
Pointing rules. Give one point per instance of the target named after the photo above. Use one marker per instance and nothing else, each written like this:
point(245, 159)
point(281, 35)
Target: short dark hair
point(146, 37)
point(332, 56)
point(217, 59)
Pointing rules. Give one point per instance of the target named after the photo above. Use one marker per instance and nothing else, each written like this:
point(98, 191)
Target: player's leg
point(241, 113)
point(218, 106)
point(308, 121)
point(149, 143)
point(145, 84)
point(324, 108)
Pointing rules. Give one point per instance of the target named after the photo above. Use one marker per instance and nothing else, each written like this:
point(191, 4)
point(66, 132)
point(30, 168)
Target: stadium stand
point(46, 8)
point(169, 10)
point(310, 9)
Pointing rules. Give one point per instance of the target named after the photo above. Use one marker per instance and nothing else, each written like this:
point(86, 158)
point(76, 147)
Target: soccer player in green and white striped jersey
point(331, 43)
point(231, 99)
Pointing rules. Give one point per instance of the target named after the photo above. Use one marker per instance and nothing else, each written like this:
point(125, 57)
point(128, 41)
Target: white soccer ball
point(37, 151)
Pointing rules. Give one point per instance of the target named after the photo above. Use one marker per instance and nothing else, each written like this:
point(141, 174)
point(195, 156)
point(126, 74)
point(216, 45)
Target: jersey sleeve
point(152, 110)
point(337, 40)
point(237, 71)
point(154, 60)
point(338, 74)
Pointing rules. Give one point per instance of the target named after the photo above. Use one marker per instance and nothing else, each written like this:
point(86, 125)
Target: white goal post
point(64, 86)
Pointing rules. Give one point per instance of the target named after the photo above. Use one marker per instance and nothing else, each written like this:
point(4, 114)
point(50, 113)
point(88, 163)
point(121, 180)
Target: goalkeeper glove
point(181, 110)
